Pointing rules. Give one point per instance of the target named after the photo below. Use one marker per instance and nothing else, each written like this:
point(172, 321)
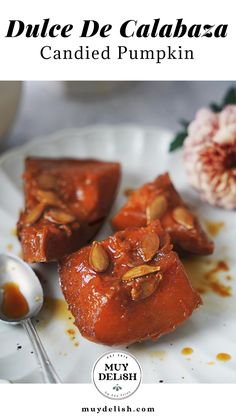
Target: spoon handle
point(49, 374)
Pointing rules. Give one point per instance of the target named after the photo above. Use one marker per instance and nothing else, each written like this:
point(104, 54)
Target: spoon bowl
point(14, 270)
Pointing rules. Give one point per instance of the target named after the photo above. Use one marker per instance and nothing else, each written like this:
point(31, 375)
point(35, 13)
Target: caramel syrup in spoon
point(14, 304)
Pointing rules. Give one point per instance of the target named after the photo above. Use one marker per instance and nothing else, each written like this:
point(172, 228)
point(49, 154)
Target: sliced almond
point(49, 198)
point(144, 289)
point(59, 217)
point(47, 181)
point(182, 216)
point(98, 257)
point(156, 209)
point(149, 246)
point(33, 215)
point(139, 271)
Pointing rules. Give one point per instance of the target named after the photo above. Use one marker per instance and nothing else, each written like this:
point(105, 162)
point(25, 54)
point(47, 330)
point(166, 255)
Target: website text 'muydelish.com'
point(117, 409)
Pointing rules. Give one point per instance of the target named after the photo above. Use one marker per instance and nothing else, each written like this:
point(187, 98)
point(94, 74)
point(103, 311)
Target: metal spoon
point(14, 270)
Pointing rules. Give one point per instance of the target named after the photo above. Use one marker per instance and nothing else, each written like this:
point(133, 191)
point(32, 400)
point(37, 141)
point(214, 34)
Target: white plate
point(211, 330)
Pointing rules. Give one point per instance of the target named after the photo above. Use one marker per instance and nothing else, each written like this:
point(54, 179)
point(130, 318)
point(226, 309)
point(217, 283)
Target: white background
point(170, 401)
point(215, 58)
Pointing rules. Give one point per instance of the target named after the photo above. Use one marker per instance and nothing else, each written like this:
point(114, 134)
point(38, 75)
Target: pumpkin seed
point(165, 243)
point(59, 217)
point(49, 198)
point(156, 209)
point(183, 217)
point(98, 257)
point(145, 288)
point(150, 245)
point(139, 271)
point(33, 216)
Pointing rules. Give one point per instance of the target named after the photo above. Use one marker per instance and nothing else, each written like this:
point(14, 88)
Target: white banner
point(84, 401)
point(126, 41)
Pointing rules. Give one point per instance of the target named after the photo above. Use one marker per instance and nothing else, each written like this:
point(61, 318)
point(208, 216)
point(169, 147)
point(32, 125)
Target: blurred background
point(33, 108)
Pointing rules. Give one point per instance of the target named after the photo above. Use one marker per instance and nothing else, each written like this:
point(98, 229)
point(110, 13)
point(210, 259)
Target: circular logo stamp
point(117, 375)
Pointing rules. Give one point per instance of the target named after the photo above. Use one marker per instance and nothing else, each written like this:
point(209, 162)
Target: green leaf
point(230, 97)
point(178, 140)
point(184, 123)
point(215, 108)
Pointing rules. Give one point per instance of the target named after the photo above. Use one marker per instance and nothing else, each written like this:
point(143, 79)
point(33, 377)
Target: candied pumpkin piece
point(65, 205)
point(131, 298)
point(160, 200)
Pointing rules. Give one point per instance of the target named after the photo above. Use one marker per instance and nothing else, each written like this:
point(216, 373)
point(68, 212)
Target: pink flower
point(210, 156)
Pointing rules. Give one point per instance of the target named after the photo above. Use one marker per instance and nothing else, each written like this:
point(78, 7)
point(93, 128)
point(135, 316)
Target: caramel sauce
point(223, 357)
point(161, 355)
point(70, 332)
point(13, 232)
point(203, 275)
point(9, 247)
point(186, 351)
point(220, 289)
point(72, 335)
point(214, 227)
point(56, 309)
point(14, 304)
